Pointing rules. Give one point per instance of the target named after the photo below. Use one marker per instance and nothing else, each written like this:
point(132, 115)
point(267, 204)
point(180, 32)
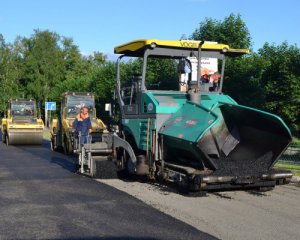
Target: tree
point(103, 82)
point(79, 66)
point(232, 31)
point(162, 73)
point(72, 59)
point(9, 73)
point(98, 58)
point(243, 80)
point(43, 63)
point(281, 81)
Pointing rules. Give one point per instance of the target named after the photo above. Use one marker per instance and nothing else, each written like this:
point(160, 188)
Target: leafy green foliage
point(103, 82)
point(232, 31)
point(10, 72)
point(242, 80)
point(162, 74)
point(281, 81)
point(45, 65)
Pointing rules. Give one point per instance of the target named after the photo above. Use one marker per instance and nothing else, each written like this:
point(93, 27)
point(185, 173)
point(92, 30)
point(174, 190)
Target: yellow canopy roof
point(138, 46)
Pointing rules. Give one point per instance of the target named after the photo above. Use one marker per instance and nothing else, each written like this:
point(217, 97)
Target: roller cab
point(94, 153)
point(61, 129)
point(22, 126)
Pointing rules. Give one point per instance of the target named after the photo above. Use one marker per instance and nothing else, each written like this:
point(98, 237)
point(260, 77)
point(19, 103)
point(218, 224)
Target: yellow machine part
point(19, 136)
point(137, 47)
point(23, 133)
point(97, 126)
point(53, 125)
point(61, 130)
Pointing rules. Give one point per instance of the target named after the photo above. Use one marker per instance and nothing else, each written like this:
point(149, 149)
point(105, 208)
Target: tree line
point(45, 65)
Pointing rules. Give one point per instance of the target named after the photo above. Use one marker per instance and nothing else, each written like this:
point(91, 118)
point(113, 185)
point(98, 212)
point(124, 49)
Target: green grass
point(295, 142)
point(295, 168)
point(46, 134)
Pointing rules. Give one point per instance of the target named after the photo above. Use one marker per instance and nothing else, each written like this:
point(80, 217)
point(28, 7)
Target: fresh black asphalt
point(42, 198)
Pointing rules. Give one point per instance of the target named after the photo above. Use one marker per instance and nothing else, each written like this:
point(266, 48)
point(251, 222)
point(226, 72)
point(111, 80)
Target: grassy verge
point(295, 168)
point(295, 142)
point(46, 134)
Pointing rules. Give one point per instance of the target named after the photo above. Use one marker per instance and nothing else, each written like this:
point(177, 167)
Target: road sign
point(51, 106)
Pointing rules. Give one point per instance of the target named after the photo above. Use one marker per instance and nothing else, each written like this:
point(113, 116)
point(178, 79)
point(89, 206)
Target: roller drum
point(25, 138)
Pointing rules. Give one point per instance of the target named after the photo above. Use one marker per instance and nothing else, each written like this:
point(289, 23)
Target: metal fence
point(291, 155)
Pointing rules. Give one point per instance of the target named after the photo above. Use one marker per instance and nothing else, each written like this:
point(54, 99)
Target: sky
point(100, 25)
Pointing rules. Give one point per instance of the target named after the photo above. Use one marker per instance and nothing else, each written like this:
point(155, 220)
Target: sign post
point(49, 106)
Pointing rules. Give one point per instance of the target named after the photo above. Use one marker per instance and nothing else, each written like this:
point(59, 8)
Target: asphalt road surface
point(41, 198)
point(228, 215)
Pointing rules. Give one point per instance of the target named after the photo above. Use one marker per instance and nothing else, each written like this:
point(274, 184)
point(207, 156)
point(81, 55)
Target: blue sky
point(101, 25)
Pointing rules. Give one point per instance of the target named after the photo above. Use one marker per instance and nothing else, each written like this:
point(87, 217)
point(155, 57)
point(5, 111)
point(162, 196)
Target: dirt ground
point(226, 215)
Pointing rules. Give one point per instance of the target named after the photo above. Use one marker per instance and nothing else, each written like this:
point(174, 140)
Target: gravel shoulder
point(226, 215)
